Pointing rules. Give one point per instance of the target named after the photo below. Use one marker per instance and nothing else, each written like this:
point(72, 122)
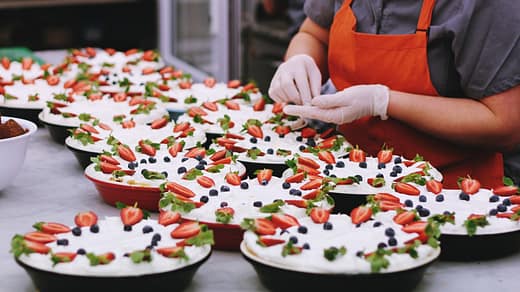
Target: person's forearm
point(311, 40)
point(461, 120)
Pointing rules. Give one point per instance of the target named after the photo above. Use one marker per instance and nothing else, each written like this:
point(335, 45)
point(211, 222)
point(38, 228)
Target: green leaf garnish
point(333, 252)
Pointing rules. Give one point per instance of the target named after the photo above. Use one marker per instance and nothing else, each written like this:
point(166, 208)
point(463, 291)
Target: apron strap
point(425, 18)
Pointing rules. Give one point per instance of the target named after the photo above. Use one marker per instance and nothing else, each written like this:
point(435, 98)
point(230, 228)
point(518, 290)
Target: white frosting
point(15, 69)
point(364, 238)
point(22, 91)
point(112, 238)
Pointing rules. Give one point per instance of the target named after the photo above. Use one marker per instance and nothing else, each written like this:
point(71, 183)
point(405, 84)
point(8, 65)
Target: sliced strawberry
point(186, 230)
point(319, 215)
point(210, 106)
point(259, 105)
point(27, 80)
point(267, 241)
point(109, 159)
point(469, 185)
point(297, 178)
point(386, 197)
point(85, 219)
point(312, 185)
point(95, 96)
point(328, 143)
point(515, 199)
point(128, 124)
point(234, 136)
point(218, 155)
point(131, 52)
point(168, 217)
point(40, 237)
point(308, 132)
point(210, 82)
point(284, 221)
point(282, 130)
point(171, 252)
point(360, 214)
point(225, 160)
point(278, 107)
point(434, 186)
point(37, 247)
point(405, 217)
point(263, 226)
point(166, 70)
point(205, 181)
point(231, 105)
point(147, 148)
point(185, 85)
point(389, 205)
point(357, 155)
point(385, 155)
point(91, 52)
point(148, 70)
point(51, 227)
point(131, 215)
point(327, 157)
point(225, 141)
point(508, 215)
point(505, 190)
point(27, 63)
point(255, 131)
point(264, 175)
point(159, 123)
point(128, 171)
point(53, 80)
point(196, 111)
point(306, 169)
point(175, 149)
point(297, 203)
point(6, 63)
point(325, 134)
point(232, 178)
point(415, 227)
point(376, 182)
point(126, 153)
point(89, 128)
point(233, 84)
point(406, 188)
point(63, 257)
point(308, 161)
point(181, 127)
point(311, 195)
point(194, 152)
point(179, 189)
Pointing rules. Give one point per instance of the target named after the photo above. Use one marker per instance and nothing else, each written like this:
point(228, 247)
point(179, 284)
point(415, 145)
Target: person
point(438, 78)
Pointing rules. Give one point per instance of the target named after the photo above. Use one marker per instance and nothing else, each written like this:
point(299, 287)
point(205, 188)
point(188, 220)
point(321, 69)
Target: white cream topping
point(22, 92)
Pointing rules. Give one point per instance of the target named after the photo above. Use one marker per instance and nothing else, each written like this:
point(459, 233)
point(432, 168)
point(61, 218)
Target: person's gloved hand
point(345, 106)
point(296, 81)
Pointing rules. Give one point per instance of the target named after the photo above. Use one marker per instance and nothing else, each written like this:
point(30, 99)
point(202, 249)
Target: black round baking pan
point(176, 280)
point(83, 157)
point(30, 114)
point(58, 132)
point(175, 114)
point(279, 279)
point(252, 167)
point(344, 203)
point(210, 137)
point(479, 247)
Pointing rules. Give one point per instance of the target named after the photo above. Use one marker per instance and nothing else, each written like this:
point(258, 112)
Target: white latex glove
point(296, 81)
point(345, 106)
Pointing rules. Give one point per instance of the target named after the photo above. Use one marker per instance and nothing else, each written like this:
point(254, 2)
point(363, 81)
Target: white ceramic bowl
point(12, 151)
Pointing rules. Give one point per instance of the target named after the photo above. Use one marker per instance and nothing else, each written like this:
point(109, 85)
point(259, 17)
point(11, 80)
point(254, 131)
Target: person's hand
point(345, 106)
point(296, 81)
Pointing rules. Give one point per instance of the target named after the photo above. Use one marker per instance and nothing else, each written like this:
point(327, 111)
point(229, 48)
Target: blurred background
point(227, 39)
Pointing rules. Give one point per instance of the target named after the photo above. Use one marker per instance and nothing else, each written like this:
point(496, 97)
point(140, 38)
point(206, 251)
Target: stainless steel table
point(51, 186)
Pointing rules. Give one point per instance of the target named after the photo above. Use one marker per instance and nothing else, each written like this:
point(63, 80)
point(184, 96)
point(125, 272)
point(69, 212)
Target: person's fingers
point(314, 75)
point(288, 87)
point(302, 84)
point(330, 100)
point(298, 110)
point(275, 92)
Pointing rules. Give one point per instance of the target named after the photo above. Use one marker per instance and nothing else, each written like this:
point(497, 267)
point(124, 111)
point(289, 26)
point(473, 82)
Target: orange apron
point(401, 63)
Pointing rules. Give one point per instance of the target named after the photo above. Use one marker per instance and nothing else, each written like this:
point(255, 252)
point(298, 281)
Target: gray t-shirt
point(473, 45)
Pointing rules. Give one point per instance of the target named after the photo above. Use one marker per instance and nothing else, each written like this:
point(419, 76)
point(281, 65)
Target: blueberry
point(244, 185)
point(281, 136)
point(253, 140)
point(131, 165)
point(306, 246)
point(302, 147)
point(165, 173)
point(419, 207)
point(299, 138)
point(392, 241)
point(424, 212)
point(447, 213)
point(377, 224)
point(493, 212)
point(360, 254)
point(326, 172)
point(143, 161)
point(267, 138)
point(224, 188)
point(152, 160)
point(302, 229)
point(397, 169)
point(506, 202)
point(381, 245)
point(380, 175)
point(422, 198)
point(156, 237)
point(340, 164)
point(398, 160)
point(184, 159)
point(81, 251)
point(358, 225)
point(329, 166)
point(127, 228)
point(292, 191)
point(270, 151)
point(254, 148)
point(408, 203)
point(204, 199)
point(439, 198)
point(257, 204)
point(213, 192)
point(358, 177)
point(264, 182)
point(181, 169)
point(63, 241)
point(389, 232)
point(311, 142)
point(199, 157)
point(147, 229)
point(393, 174)
point(283, 231)
point(363, 164)
point(76, 231)
point(293, 239)
point(94, 228)
point(494, 199)
point(154, 243)
point(203, 162)
point(167, 159)
point(501, 208)
point(327, 226)
point(200, 166)
point(223, 204)
point(297, 193)
point(381, 165)
point(333, 175)
point(463, 196)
